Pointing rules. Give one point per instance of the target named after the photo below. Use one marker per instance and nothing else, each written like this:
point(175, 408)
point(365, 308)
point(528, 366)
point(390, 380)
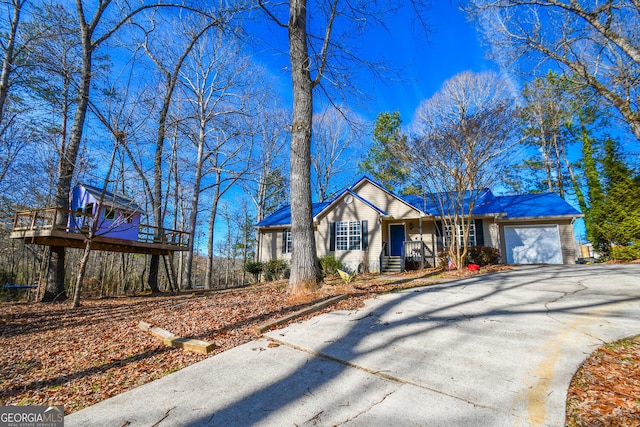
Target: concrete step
point(391, 264)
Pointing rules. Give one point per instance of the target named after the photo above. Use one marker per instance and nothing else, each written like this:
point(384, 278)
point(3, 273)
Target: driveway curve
point(493, 350)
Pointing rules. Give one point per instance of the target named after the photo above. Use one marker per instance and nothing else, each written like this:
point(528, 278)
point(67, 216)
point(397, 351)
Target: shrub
point(255, 268)
point(483, 255)
point(275, 269)
point(626, 253)
point(330, 265)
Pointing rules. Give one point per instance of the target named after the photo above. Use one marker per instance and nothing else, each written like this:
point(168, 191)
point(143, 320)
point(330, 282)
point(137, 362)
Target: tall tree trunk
point(193, 217)
point(55, 279)
point(82, 266)
point(7, 63)
point(245, 243)
point(558, 164)
point(54, 290)
point(304, 269)
point(211, 241)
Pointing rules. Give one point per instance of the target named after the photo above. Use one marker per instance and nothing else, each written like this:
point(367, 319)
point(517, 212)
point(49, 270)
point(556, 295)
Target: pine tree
point(381, 162)
point(617, 222)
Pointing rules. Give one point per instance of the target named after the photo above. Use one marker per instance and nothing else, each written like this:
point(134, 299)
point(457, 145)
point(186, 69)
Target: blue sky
point(422, 64)
point(453, 46)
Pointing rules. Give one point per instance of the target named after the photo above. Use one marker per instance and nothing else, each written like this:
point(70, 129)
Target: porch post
point(421, 244)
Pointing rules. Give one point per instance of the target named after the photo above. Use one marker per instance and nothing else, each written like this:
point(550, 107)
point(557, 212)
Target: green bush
point(330, 265)
point(275, 269)
point(626, 253)
point(483, 255)
point(255, 268)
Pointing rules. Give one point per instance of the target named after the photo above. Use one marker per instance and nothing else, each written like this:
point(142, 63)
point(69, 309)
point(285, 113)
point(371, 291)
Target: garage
point(533, 244)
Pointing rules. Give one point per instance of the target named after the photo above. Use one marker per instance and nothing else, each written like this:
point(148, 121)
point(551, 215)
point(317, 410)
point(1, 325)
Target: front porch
point(408, 245)
point(415, 255)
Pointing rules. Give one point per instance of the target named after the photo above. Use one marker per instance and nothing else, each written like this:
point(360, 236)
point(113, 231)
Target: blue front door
point(396, 239)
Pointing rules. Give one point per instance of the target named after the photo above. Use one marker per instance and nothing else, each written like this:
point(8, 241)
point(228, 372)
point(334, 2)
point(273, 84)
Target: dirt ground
point(53, 355)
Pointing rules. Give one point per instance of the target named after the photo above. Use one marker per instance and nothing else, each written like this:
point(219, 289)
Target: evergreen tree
point(380, 162)
point(595, 193)
point(617, 222)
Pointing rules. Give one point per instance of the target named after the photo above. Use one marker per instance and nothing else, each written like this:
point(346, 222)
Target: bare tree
point(336, 135)
point(597, 41)
point(117, 110)
point(169, 64)
point(228, 166)
point(544, 114)
point(215, 83)
point(322, 56)
point(97, 24)
point(462, 135)
point(16, 44)
point(266, 183)
point(11, 48)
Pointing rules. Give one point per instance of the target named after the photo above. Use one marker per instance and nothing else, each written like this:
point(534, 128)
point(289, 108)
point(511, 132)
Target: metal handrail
point(382, 252)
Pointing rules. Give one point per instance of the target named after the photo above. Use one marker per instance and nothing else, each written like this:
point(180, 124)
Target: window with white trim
point(349, 236)
point(448, 234)
point(286, 241)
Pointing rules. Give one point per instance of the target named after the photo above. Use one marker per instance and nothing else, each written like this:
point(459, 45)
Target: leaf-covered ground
point(606, 389)
point(52, 355)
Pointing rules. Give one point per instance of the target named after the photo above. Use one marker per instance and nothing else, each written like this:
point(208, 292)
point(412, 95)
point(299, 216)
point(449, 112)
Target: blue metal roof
point(282, 216)
point(536, 205)
point(485, 203)
point(518, 206)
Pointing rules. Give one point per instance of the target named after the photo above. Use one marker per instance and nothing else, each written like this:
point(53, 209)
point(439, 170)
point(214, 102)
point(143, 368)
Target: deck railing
point(417, 251)
point(39, 219)
point(152, 234)
point(46, 220)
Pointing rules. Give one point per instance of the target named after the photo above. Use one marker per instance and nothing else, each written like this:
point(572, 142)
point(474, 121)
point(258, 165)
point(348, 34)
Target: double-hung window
point(286, 241)
point(349, 236)
point(449, 235)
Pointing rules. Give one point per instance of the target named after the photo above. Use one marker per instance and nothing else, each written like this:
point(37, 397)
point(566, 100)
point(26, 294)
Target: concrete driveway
point(492, 350)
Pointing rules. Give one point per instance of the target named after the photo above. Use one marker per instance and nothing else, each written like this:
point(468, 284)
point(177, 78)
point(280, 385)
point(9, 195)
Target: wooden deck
point(39, 227)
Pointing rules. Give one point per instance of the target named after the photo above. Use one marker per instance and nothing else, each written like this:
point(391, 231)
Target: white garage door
point(533, 244)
